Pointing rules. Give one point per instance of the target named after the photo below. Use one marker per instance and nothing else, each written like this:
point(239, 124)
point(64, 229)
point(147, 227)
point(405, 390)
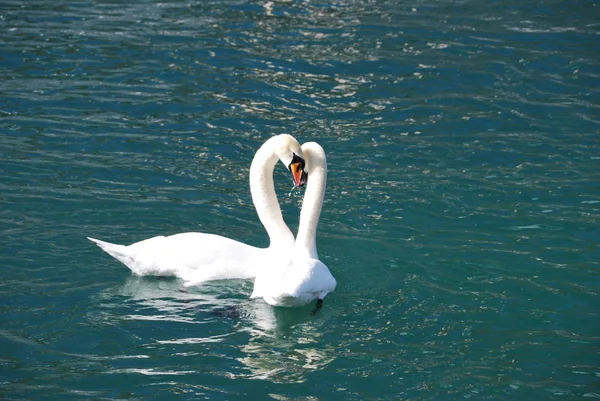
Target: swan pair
point(288, 272)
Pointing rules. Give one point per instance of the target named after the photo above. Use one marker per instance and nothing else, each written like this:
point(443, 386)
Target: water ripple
point(460, 219)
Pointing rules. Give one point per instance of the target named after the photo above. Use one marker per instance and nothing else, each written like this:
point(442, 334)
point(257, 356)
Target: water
point(461, 219)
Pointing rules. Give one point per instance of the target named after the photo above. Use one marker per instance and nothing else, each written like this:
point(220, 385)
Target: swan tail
point(119, 252)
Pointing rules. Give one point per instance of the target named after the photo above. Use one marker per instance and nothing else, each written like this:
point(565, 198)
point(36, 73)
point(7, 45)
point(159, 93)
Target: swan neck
point(264, 197)
point(306, 240)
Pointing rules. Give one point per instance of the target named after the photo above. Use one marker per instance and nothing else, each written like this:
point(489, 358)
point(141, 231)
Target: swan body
point(303, 278)
point(194, 257)
point(300, 282)
point(198, 257)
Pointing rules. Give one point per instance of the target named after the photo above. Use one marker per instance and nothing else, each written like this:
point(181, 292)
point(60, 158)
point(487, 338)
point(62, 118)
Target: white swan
point(198, 257)
point(304, 277)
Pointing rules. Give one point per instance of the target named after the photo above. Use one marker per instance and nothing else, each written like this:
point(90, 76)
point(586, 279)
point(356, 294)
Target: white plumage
point(303, 277)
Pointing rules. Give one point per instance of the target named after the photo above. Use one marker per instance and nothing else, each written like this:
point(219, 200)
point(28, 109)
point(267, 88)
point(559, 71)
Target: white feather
point(303, 277)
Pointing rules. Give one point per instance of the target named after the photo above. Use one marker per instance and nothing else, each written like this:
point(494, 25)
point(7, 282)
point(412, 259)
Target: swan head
point(290, 153)
point(296, 167)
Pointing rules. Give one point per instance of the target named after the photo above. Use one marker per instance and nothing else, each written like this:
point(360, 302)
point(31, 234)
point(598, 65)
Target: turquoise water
point(461, 219)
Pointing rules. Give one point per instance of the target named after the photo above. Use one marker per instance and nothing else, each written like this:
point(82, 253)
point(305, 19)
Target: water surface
point(461, 219)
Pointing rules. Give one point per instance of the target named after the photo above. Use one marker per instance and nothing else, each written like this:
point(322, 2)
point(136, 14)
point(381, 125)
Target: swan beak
point(298, 174)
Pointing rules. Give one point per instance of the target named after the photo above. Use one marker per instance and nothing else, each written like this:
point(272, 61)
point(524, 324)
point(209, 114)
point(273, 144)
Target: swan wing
point(194, 257)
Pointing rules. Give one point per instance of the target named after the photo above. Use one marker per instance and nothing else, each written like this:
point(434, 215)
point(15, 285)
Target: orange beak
point(296, 171)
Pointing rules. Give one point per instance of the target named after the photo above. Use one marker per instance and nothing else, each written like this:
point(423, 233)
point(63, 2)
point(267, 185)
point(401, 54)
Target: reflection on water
point(284, 345)
point(279, 344)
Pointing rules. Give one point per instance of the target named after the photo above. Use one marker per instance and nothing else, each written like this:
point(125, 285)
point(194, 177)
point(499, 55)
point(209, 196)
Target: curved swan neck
point(316, 162)
point(263, 194)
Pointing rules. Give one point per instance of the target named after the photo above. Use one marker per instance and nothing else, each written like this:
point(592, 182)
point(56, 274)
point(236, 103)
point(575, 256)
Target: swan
point(303, 278)
point(198, 257)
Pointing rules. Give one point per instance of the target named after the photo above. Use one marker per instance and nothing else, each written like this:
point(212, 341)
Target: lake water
point(461, 219)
